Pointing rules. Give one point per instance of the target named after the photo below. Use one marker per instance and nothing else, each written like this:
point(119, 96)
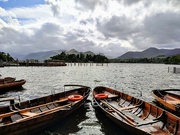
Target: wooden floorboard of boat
point(140, 122)
point(158, 131)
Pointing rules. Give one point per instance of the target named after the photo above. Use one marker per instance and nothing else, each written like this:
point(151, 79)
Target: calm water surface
point(134, 79)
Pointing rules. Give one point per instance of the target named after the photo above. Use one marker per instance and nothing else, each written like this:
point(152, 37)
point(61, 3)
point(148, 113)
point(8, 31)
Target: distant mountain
point(41, 56)
point(73, 51)
point(150, 53)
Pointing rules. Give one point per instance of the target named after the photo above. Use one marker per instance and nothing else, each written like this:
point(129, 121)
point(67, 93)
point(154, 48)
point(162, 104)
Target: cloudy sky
point(112, 27)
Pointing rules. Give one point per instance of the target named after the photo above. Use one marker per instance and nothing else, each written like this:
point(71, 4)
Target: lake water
point(134, 79)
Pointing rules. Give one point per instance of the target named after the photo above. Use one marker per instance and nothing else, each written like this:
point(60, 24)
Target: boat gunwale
point(167, 115)
point(164, 102)
point(64, 113)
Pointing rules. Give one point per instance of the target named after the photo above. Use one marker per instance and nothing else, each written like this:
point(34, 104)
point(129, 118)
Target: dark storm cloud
point(70, 37)
point(120, 27)
point(89, 4)
point(175, 3)
point(130, 2)
point(43, 38)
point(162, 28)
point(54, 5)
point(13, 40)
point(48, 30)
point(50, 35)
point(9, 34)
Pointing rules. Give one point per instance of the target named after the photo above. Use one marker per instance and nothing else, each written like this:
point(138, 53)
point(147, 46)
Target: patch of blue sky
point(8, 4)
point(24, 21)
point(4, 19)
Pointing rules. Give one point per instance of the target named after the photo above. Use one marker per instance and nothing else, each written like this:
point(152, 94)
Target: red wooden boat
point(11, 84)
point(32, 116)
point(7, 80)
point(169, 99)
point(135, 115)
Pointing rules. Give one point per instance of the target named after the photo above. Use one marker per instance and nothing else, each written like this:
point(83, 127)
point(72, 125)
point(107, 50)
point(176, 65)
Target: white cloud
point(112, 27)
point(88, 4)
point(4, 0)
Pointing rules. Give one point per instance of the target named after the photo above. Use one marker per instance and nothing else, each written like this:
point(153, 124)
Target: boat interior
point(23, 111)
point(138, 113)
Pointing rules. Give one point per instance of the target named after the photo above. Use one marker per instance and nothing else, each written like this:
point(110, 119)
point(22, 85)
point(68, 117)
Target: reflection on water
point(5, 91)
point(107, 126)
point(11, 93)
point(69, 125)
point(134, 79)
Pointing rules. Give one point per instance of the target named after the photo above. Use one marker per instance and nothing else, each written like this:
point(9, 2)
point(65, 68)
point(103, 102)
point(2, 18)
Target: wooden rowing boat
point(7, 80)
point(135, 115)
point(168, 99)
point(31, 116)
point(10, 84)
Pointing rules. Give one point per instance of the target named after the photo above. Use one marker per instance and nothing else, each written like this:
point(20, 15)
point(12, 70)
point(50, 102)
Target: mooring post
point(168, 69)
point(174, 70)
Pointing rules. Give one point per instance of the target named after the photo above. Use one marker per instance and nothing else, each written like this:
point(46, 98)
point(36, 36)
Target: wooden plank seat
point(30, 108)
point(29, 114)
point(147, 122)
point(112, 96)
point(129, 107)
point(167, 97)
point(174, 102)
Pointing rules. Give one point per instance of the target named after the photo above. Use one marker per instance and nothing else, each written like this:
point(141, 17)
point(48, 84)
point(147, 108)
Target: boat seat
point(173, 102)
point(147, 122)
point(112, 96)
point(29, 114)
point(170, 98)
point(128, 107)
point(63, 100)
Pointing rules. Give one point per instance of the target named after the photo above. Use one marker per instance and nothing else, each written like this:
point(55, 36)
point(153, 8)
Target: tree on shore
point(173, 59)
point(6, 57)
point(80, 58)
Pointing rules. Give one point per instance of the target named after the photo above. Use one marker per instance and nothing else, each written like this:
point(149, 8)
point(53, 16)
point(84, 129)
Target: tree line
point(6, 57)
point(81, 58)
point(102, 59)
point(173, 59)
point(161, 59)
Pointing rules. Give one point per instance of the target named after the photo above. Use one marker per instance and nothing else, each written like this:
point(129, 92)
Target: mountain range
point(150, 53)
point(41, 56)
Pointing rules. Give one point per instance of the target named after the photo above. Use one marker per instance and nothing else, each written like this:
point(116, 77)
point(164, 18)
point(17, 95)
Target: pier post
point(168, 69)
point(174, 69)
